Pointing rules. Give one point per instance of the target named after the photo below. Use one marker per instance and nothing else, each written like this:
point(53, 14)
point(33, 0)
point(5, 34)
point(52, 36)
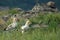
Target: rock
point(36, 8)
point(44, 25)
point(39, 26)
point(52, 7)
point(35, 26)
point(6, 17)
point(51, 4)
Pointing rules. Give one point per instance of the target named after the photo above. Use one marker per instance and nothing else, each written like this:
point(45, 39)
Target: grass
point(36, 34)
point(50, 33)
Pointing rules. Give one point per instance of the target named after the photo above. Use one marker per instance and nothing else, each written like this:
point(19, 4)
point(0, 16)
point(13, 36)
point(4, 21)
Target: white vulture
point(13, 24)
point(26, 26)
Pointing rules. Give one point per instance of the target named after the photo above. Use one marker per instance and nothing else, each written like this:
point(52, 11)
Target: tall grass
point(52, 32)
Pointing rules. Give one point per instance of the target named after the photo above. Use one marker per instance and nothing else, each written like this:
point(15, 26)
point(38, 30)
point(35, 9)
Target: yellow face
point(28, 22)
point(15, 19)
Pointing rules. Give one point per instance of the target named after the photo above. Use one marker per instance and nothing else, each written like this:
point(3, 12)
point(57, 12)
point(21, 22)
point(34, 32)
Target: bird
point(13, 24)
point(26, 26)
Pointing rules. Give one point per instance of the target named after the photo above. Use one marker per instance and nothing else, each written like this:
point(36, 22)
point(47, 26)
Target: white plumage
point(26, 26)
point(13, 24)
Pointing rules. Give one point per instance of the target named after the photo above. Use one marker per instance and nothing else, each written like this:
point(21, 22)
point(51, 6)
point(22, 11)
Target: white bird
point(13, 24)
point(26, 26)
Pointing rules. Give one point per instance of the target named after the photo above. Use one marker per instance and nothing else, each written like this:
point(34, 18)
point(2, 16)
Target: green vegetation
point(52, 32)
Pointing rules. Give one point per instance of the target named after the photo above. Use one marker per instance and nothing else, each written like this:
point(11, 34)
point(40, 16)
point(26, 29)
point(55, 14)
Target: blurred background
point(25, 4)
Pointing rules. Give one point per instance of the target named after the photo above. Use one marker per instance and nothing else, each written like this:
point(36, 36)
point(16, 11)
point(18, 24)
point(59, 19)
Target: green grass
point(50, 33)
point(36, 34)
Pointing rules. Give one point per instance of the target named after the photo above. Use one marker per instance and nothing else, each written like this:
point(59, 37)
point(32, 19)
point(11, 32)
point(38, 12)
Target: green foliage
point(13, 11)
point(50, 33)
point(36, 34)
